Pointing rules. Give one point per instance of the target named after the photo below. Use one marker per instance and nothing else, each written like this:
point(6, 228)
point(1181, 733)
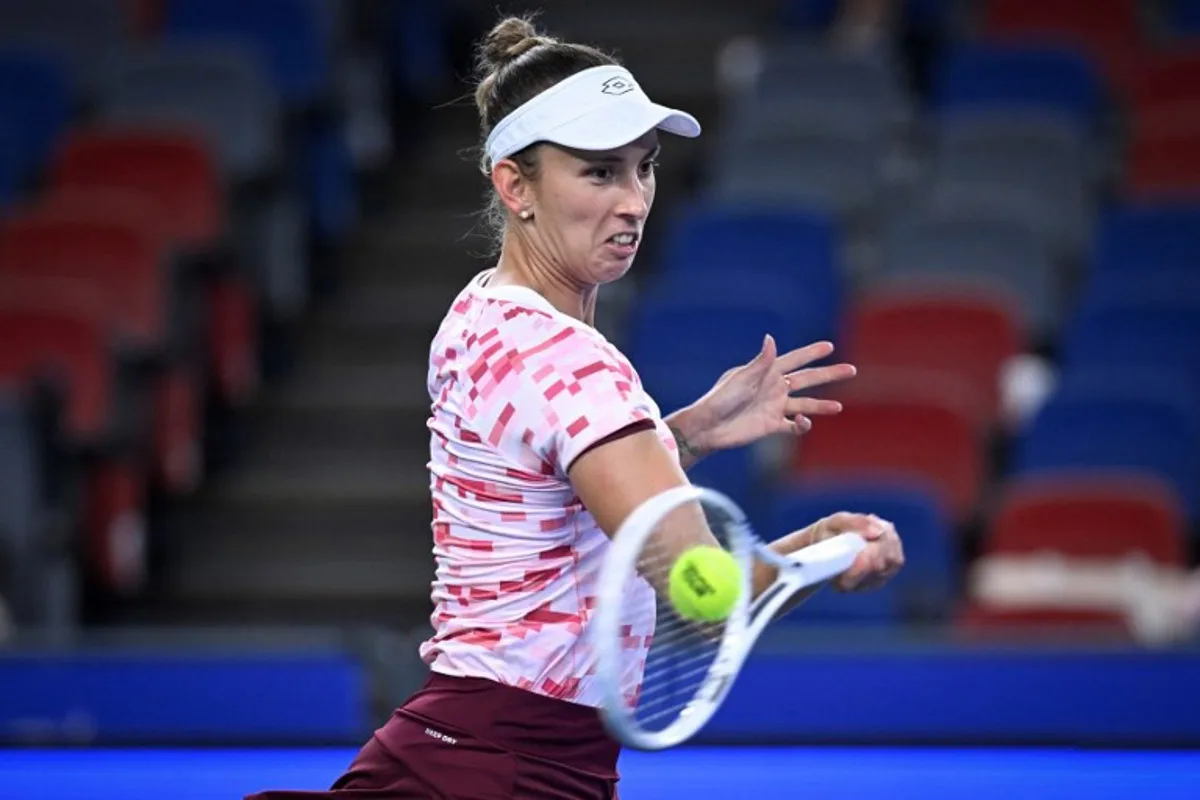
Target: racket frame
point(805, 570)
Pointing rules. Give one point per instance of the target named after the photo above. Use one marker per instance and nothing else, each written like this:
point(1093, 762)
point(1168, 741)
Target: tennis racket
point(690, 666)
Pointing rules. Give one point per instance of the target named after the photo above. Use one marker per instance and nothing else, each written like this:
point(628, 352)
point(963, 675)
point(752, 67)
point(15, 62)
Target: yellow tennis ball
point(705, 583)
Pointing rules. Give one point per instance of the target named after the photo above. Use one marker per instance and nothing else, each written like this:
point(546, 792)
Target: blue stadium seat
point(1115, 288)
point(996, 77)
point(35, 104)
point(712, 334)
point(808, 14)
point(294, 42)
point(1183, 19)
point(731, 242)
point(1159, 334)
point(925, 587)
point(289, 34)
point(1145, 237)
point(1116, 431)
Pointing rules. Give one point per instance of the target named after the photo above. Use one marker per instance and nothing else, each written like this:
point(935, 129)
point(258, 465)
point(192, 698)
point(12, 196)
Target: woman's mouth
point(624, 244)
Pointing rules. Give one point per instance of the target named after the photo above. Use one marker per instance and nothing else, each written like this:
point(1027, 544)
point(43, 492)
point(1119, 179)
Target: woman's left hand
point(757, 399)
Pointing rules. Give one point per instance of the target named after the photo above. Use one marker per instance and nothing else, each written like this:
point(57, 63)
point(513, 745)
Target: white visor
point(601, 108)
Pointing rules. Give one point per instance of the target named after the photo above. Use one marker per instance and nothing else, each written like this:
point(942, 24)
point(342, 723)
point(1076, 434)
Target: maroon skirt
point(475, 739)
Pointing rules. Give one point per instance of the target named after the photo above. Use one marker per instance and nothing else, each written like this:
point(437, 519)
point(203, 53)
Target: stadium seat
point(217, 88)
point(1018, 78)
point(36, 104)
point(838, 173)
point(965, 337)
point(73, 355)
point(706, 336)
point(176, 173)
point(1091, 517)
point(923, 591)
point(1066, 519)
point(99, 244)
point(1046, 189)
point(1156, 334)
point(817, 14)
point(175, 169)
point(728, 242)
point(1183, 18)
point(1123, 431)
point(1166, 91)
point(73, 33)
point(806, 85)
point(1110, 31)
point(293, 42)
point(943, 251)
point(1163, 165)
point(288, 34)
point(917, 439)
point(1134, 238)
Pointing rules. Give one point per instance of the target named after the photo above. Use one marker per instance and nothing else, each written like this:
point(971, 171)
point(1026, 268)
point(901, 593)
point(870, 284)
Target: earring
point(525, 214)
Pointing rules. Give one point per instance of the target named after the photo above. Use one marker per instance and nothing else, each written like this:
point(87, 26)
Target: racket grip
point(829, 558)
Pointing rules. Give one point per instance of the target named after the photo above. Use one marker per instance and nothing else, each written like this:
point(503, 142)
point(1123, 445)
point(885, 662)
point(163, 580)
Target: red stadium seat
point(959, 338)
point(73, 353)
point(1090, 517)
point(1109, 31)
point(1167, 84)
point(908, 437)
point(96, 242)
point(176, 172)
point(102, 246)
point(1076, 520)
point(175, 169)
point(1163, 165)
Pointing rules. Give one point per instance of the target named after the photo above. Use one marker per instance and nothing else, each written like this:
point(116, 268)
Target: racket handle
point(829, 558)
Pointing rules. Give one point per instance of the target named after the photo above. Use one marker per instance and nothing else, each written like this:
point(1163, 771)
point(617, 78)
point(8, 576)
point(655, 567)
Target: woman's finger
point(811, 407)
point(803, 356)
point(819, 376)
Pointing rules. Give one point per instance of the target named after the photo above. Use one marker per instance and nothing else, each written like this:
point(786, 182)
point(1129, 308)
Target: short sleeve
point(556, 399)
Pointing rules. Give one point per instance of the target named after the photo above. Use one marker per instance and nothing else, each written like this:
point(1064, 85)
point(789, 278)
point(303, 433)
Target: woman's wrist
point(688, 427)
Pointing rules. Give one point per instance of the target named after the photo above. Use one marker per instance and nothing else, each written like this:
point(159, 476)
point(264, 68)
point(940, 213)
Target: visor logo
point(617, 85)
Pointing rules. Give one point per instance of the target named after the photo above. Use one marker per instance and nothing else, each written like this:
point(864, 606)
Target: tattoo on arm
point(688, 454)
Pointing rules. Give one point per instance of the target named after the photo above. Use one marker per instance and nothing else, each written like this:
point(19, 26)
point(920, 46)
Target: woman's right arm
point(614, 478)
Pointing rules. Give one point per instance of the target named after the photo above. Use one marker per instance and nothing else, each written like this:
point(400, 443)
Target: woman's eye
point(648, 167)
point(600, 173)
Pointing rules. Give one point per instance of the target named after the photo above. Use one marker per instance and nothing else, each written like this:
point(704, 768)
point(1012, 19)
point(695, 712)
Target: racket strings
point(681, 650)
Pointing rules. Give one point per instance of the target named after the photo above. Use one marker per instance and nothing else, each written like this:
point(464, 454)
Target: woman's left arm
point(756, 400)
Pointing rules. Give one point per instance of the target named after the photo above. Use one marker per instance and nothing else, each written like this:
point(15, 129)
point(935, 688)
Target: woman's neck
point(518, 266)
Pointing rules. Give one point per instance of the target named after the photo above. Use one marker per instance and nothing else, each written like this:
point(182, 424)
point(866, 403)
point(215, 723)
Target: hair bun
point(509, 40)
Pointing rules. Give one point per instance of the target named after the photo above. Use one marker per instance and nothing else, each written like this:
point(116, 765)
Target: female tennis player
point(543, 442)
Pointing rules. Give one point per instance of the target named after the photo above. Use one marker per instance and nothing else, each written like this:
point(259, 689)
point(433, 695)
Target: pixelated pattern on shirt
point(518, 393)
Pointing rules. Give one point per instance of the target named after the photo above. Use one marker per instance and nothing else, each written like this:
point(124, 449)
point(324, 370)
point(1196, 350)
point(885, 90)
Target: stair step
point(385, 299)
point(367, 576)
point(337, 477)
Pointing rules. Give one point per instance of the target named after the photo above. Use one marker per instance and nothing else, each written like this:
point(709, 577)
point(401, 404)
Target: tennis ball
point(705, 583)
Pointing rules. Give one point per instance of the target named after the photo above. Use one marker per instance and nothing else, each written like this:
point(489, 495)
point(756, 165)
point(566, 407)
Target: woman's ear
point(512, 187)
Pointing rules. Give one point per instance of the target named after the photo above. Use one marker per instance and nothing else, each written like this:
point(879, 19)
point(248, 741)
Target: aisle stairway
point(325, 520)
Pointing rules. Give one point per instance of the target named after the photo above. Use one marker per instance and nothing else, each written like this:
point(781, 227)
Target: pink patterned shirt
point(519, 390)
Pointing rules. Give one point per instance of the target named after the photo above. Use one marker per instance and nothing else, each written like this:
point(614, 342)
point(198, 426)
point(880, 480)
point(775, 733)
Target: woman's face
point(590, 207)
